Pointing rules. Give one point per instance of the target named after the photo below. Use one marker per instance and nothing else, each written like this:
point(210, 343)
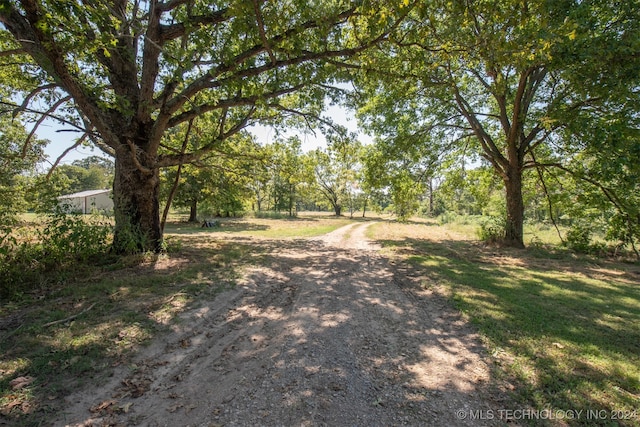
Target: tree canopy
point(529, 88)
point(510, 81)
point(123, 73)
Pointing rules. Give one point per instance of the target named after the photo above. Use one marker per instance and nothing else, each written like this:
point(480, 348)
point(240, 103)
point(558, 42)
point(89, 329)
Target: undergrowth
point(33, 255)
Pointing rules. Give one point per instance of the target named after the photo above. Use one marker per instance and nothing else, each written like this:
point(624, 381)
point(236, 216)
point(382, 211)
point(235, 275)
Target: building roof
point(87, 193)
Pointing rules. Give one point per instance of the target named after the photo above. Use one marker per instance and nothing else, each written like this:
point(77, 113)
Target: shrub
point(578, 239)
point(447, 218)
point(492, 230)
point(70, 235)
point(30, 256)
point(271, 215)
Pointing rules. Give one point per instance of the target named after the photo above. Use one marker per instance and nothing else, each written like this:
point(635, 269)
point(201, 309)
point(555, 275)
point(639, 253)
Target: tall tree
point(79, 178)
point(286, 173)
point(96, 161)
point(511, 74)
point(126, 71)
point(336, 170)
point(220, 180)
point(16, 166)
point(401, 168)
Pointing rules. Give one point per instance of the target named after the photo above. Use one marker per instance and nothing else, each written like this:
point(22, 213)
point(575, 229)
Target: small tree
point(336, 171)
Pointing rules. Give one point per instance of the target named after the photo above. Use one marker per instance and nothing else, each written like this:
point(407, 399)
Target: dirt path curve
point(329, 334)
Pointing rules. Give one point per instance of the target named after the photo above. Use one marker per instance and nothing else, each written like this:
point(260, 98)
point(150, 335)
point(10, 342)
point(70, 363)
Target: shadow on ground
point(312, 336)
point(574, 322)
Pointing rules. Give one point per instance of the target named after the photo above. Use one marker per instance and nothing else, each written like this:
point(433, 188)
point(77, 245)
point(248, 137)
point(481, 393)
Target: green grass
point(566, 331)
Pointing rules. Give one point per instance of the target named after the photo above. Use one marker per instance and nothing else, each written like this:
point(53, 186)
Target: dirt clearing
point(330, 333)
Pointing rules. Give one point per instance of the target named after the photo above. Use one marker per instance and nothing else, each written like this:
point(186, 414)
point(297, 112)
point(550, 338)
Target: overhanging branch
point(42, 118)
point(65, 152)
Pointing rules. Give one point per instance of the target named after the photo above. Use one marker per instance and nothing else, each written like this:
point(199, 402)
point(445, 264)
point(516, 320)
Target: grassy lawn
point(306, 224)
point(564, 329)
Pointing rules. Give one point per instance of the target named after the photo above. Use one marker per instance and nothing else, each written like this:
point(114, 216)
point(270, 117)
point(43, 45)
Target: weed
point(35, 255)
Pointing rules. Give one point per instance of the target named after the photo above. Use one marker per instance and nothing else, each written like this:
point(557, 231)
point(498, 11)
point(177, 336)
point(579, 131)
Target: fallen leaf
point(174, 408)
point(136, 386)
point(103, 406)
point(6, 409)
point(21, 382)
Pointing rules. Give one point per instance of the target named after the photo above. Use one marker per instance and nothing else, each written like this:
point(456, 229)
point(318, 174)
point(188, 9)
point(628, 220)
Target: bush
point(625, 230)
point(272, 215)
point(33, 255)
point(578, 239)
point(70, 236)
point(447, 218)
point(492, 230)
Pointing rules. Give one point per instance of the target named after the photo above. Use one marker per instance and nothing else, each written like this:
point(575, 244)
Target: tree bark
point(291, 197)
point(431, 201)
point(136, 206)
point(514, 228)
point(193, 211)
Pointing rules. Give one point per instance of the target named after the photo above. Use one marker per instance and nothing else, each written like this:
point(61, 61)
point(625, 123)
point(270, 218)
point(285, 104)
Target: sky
point(61, 140)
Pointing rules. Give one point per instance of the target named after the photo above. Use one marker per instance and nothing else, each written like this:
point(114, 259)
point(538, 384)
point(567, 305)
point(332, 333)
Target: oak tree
point(505, 79)
point(124, 72)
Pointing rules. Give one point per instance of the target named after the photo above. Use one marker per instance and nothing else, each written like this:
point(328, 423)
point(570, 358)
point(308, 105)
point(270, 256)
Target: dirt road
point(331, 333)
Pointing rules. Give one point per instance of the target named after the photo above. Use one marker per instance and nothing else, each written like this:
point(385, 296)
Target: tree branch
point(174, 187)
point(492, 152)
point(261, 30)
point(32, 94)
point(174, 31)
point(42, 118)
point(174, 160)
point(64, 153)
point(238, 101)
point(609, 194)
point(233, 73)
point(68, 319)
point(12, 52)
point(548, 197)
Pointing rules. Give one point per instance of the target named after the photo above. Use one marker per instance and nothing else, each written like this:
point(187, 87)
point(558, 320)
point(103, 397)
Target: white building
point(87, 201)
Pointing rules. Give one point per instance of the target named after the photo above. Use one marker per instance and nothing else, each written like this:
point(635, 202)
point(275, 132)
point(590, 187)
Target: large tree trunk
point(514, 234)
point(136, 207)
